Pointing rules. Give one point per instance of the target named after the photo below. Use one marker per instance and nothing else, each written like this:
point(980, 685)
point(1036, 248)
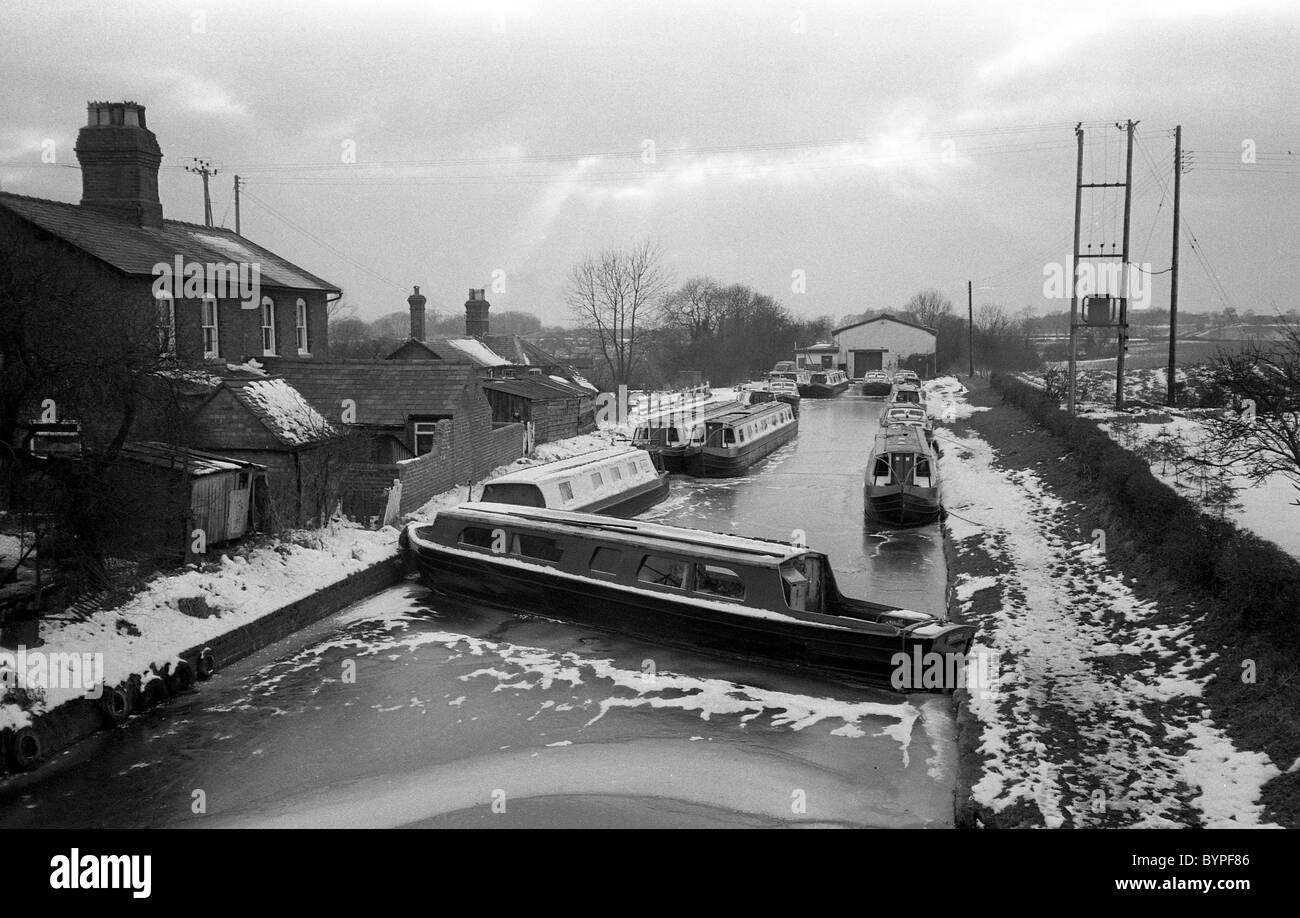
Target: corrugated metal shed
point(195, 462)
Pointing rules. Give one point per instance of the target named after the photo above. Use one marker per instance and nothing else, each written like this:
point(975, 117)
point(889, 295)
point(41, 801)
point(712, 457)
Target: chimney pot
point(416, 301)
point(476, 313)
point(119, 159)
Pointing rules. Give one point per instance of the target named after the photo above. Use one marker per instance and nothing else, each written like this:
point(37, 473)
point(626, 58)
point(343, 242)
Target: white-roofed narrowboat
point(676, 439)
point(824, 384)
point(619, 481)
point(752, 599)
point(736, 440)
point(876, 382)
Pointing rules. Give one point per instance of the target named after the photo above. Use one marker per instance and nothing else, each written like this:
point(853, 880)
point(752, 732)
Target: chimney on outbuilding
point(119, 159)
point(416, 302)
point(476, 314)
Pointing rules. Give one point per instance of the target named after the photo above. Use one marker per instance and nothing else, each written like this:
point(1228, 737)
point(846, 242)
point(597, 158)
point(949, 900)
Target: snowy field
point(1095, 717)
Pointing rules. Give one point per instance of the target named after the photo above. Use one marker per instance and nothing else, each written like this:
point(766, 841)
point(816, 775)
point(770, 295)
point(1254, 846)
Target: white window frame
point(300, 327)
point(268, 327)
point(166, 323)
point(423, 429)
point(211, 331)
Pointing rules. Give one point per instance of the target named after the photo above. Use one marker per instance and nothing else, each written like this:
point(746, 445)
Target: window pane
point(719, 581)
point(478, 536)
point(566, 491)
point(536, 547)
point(606, 560)
point(662, 571)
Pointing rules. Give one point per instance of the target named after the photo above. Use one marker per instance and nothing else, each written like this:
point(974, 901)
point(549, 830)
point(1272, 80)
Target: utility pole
point(1173, 278)
point(970, 327)
point(237, 232)
point(1074, 268)
point(204, 168)
point(1122, 332)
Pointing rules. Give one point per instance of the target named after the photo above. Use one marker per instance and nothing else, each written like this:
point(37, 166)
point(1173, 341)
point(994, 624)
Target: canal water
point(395, 713)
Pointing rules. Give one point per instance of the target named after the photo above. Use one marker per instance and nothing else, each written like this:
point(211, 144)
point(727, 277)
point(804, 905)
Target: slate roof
point(535, 388)
point(386, 392)
point(882, 319)
point(282, 409)
point(135, 249)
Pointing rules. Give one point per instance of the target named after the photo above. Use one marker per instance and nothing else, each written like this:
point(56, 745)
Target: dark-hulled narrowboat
point(676, 439)
point(619, 481)
point(824, 384)
point(902, 479)
point(736, 440)
point(751, 599)
point(876, 382)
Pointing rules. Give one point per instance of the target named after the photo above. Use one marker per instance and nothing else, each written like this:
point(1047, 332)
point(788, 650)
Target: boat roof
point(564, 467)
point(901, 436)
point(676, 538)
point(746, 412)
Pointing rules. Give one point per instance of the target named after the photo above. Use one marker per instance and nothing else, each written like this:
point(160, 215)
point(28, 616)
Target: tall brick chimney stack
point(476, 313)
point(416, 302)
point(119, 159)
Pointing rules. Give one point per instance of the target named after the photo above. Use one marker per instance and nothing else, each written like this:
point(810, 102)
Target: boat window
point(663, 571)
point(718, 581)
point(566, 491)
point(613, 470)
point(478, 536)
point(596, 481)
point(902, 466)
point(673, 438)
point(922, 476)
point(537, 547)
point(524, 495)
point(631, 469)
point(880, 474)
point(729, 436)
point(606, 560)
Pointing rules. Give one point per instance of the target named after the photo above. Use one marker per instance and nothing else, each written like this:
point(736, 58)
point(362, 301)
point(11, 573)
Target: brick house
point(522, 382)
point(231, 299)
point(426, 424)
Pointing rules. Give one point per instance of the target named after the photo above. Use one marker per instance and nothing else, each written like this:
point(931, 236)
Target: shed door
point(237, 507)
point(867, 360)
point(208, 503)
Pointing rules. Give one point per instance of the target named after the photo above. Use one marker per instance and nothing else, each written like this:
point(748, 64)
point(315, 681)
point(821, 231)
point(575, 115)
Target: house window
point(268, 326)
point(425, 434)
point(166, 324)
point(211, 337)
point(301, 326)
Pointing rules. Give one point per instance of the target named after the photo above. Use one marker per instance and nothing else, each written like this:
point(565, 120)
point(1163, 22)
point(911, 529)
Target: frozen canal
point(391, 713)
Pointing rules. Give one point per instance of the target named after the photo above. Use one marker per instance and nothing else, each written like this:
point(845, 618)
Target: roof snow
point(477, 351)
point(283, 410)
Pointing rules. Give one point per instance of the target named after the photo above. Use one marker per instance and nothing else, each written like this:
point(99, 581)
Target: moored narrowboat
point(907, 393)
point(736, 440)
point(876, 382)
point(676, 439)
point(751, 599)
point(902, 479)
point(619, 481)
point(906, 415)
point(824, 384)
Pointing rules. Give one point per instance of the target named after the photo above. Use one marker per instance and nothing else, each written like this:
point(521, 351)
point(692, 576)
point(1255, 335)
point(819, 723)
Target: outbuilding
point(885, 343)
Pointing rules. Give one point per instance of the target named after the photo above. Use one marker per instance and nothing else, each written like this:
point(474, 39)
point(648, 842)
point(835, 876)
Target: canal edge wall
point(75, 720)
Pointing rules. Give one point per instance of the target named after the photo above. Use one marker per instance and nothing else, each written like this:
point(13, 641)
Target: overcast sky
point(879, 148)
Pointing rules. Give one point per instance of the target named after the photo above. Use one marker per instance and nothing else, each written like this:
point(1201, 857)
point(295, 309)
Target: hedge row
point(1255, 578)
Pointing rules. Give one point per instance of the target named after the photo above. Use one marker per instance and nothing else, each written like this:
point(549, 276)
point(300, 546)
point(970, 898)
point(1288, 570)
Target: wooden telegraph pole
point(1173, 278)
point(237, 232)
point(204, 168)
point(970, 327)
point(1121, 337)
point(1074, 269)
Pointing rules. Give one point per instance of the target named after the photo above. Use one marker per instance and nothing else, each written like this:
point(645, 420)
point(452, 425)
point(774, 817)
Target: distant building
point(884, 343)
point(280, 309)
point(522, 382)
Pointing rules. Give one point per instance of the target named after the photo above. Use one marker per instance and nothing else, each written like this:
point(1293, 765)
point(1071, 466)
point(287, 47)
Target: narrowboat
point(773, 390)
point(906, 377)
point(908, 394)
point(756, 600)
point(824, 384)
point(674, 440)
point(904, 415)
point(619, 481)
point(902, 479)
point(876, 382)
point(736, 440)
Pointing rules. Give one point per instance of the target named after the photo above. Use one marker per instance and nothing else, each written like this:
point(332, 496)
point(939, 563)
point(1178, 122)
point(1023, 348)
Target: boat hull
point(822, 390)
point(879, 388)
point(902, 505)
point(632, 502)
point(863, 655)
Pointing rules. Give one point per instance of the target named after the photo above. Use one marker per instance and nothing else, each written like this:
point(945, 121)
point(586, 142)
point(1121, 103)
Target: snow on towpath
point(1095, 716)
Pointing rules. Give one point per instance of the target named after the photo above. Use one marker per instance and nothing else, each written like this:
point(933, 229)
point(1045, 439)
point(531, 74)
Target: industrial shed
point(554, 407)
point(885, 343)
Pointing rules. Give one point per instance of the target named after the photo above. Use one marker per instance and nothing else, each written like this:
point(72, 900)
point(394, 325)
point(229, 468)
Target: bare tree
point(926, 308)
point(614, 294)
point(694, 307)
point(1259, 435)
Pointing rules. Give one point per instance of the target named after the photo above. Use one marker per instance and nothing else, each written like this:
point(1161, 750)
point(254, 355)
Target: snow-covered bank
point(235, 589)
point(1097, 716)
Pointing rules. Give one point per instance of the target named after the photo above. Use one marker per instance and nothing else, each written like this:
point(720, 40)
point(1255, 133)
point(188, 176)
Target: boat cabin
point(746, 425)
point(902, 456)
point(594, 480)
